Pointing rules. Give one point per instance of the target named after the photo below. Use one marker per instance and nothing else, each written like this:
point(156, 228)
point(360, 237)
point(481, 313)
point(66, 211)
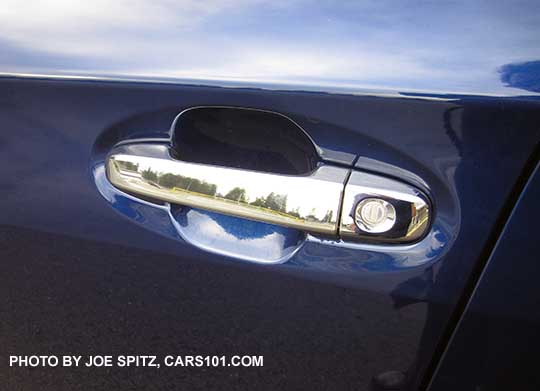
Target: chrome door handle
point(310, 203)
point(330, 200)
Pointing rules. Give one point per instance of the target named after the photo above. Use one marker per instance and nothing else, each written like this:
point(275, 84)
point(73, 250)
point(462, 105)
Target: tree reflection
point(275, 202)
point(237, 194)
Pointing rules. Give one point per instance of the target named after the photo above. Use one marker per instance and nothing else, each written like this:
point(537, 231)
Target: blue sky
point(405, 46)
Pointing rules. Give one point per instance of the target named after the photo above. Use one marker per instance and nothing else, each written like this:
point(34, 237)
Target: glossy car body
point(444, 97)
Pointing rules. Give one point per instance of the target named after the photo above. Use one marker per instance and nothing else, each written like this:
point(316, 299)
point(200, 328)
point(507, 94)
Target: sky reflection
point(442, 47)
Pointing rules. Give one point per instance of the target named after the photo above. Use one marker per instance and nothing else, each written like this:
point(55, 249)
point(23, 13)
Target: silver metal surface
point(403, 216)
point(375, 215)
point(373, 208)
point(310, 203)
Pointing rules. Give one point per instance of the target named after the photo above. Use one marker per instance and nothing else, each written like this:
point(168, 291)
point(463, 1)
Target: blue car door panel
point(317, 184)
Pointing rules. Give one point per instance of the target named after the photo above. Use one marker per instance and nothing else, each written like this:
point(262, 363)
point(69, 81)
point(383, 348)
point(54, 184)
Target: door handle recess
point(308, 202)
point(330, 200)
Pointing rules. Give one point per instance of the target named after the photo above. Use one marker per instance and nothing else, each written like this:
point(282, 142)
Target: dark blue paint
point(443, 95)
point(496, 343)
point(524, 75)
point(336, 305)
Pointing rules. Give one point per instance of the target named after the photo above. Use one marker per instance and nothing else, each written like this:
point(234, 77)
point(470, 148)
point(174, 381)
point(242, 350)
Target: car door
point(495, 341)
point(277, 265)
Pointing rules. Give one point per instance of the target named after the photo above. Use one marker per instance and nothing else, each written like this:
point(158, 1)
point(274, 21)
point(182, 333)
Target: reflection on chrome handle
point(368, 208)
point(310, 203)
point(383, 210)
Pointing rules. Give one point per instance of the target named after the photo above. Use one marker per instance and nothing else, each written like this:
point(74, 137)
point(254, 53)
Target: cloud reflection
point(436, 46)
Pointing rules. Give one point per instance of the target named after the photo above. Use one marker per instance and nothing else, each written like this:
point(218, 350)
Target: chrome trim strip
point(309, 202)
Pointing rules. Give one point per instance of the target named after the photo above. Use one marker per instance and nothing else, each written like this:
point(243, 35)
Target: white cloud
point(274, 41)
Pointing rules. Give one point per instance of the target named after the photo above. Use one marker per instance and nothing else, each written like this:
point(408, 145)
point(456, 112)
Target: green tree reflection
point(275, 202)
point(150, 175)
point(237, 194)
